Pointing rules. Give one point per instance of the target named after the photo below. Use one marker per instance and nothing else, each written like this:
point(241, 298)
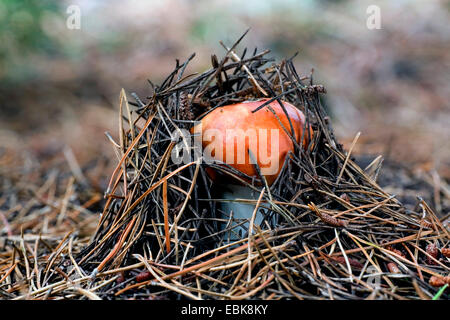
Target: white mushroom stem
point(241, 210)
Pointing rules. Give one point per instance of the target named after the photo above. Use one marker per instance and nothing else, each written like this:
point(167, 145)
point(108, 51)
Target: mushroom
point(238, 136)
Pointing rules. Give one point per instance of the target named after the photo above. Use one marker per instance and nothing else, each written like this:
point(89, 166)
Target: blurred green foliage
point(24, 32)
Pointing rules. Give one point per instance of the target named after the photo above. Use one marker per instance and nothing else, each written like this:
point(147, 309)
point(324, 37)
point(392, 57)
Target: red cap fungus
point(233, 130)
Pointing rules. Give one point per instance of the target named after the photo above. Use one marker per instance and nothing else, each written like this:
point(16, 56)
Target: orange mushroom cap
point(229, 132)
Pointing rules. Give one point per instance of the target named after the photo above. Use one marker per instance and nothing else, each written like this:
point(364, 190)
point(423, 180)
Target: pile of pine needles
point(330, 232)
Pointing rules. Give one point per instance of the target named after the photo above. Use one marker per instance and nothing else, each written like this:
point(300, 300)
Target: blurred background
point(59, 85)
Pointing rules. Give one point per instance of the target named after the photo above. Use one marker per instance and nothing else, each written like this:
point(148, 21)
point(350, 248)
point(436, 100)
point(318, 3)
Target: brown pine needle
point(166, 217)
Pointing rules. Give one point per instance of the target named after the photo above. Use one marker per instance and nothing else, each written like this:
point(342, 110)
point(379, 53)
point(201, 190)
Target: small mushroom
point(245, 140)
